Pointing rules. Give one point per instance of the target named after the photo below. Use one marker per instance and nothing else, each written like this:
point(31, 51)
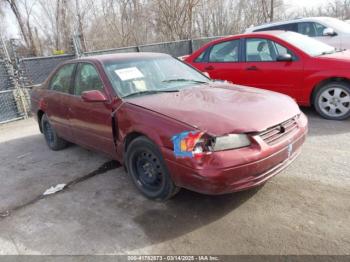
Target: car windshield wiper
point(150, 92)
point(328, 52)
point(339, 50)
point(184, 80)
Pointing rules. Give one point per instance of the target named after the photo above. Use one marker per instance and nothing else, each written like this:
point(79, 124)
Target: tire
point(53, 141)
point(332, 101)
point(148, 171)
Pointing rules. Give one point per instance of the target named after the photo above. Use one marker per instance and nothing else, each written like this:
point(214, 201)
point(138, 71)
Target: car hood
point(340, 56)
point(220, 109)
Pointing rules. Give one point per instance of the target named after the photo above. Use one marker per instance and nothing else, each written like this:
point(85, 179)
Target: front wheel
point(332, 101)
point(52, 139)
point(148, 171)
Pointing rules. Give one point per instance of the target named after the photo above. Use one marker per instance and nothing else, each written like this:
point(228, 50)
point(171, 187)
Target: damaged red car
point(171, 126)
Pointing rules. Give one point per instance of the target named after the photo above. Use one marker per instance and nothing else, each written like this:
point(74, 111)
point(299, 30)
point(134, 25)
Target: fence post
point(77, 46)
point(191, 46)
point(12, 68)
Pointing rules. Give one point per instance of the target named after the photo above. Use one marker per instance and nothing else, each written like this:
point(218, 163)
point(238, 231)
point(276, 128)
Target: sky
point(12, 29)
point(305, 3)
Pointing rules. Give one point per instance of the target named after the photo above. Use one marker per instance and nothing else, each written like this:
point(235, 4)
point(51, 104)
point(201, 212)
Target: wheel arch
point(325, 82)
point(40, 116)
point(130, 137)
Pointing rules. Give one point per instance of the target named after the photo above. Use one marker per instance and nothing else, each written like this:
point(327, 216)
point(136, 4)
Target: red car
point(169, 125)
point(311, 72)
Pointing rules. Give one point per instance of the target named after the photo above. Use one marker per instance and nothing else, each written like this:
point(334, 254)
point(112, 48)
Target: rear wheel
point(332, 101)
point(148, 171)
point(52, 139)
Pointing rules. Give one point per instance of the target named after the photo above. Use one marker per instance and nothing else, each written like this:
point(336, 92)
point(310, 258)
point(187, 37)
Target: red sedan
point(311, 72)
point(169, 125)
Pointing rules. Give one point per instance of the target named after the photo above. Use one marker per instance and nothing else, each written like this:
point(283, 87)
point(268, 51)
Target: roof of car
point(267, 32)
point(274, 33)
point(121, 56)
point(250, 34)
point(305, 19)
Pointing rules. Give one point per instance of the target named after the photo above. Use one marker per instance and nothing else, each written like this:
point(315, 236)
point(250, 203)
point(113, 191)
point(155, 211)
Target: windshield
point(307, 44)
point(337, 25)
point(147, 76)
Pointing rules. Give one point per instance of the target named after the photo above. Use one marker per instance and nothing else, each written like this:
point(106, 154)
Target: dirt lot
point(304, 210)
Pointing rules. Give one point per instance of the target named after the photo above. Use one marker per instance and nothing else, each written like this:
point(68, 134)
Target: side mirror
point(284, 58)
point(93, 96)
point(329, 32)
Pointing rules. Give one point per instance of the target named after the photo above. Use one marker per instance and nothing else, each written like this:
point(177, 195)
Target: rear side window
point(225, 52)
point(87, 79)
point(61, 81)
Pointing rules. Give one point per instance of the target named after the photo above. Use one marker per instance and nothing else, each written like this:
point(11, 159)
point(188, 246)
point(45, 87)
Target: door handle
point(251, 68)
point(209, 68)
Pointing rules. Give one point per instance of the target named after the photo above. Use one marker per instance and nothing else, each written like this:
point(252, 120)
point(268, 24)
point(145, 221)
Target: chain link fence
point(35, 70)
point(13, 100)
point(19, 72)
point(175, 48)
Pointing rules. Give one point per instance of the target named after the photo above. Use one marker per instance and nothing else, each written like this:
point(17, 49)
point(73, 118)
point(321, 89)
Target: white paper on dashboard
point(129, 73)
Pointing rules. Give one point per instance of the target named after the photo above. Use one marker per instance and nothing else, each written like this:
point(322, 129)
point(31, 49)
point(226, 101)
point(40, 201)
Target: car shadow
point(188, 211)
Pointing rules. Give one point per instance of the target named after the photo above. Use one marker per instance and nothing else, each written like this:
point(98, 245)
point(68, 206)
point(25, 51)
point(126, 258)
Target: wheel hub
point(335, 101)
point(148, 170)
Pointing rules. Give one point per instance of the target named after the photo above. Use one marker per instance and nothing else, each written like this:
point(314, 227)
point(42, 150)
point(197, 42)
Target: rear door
point(222, 61)
point(262, 70)
point(56, 100)
point(91, 122)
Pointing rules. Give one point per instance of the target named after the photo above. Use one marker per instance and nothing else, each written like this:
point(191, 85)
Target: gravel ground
point(303, 210)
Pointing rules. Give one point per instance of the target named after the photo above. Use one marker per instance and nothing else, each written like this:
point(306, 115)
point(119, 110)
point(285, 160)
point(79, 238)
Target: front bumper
point(253, 170)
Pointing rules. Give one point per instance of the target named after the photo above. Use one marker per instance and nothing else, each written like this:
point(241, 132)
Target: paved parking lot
point(304, 210)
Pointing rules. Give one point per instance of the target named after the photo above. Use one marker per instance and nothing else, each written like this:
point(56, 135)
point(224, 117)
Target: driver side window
point(258, 49)
point(264, 50)
point(319, 29)
point(61, 81)
point(87, 79)
point(311, 29)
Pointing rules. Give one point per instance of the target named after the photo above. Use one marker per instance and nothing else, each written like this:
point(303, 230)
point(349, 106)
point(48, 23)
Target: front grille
point(278, 132)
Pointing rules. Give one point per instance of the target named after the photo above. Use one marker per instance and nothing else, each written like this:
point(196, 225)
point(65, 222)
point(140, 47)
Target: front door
point(262, 69)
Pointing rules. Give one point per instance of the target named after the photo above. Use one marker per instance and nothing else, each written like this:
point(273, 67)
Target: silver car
point(329, 30)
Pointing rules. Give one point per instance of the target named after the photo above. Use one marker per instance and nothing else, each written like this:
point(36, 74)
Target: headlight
point(231, 141)
point(195, 144)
